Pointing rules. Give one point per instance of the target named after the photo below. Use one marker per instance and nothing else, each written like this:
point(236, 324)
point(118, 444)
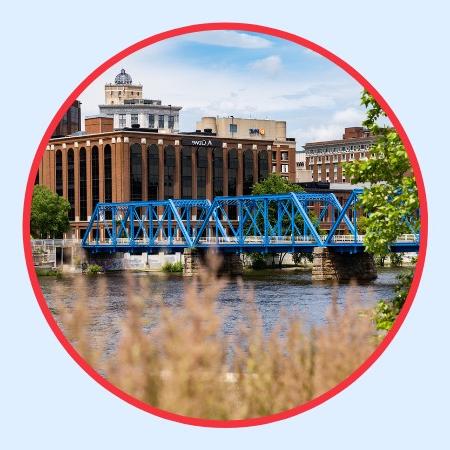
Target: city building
point(70, 122)
point(124, 102)
point(133, 164)
point(302, 174)
point(325, 159)
point(255, 130)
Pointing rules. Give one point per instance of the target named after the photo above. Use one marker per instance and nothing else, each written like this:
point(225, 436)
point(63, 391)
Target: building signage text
point(201, 142)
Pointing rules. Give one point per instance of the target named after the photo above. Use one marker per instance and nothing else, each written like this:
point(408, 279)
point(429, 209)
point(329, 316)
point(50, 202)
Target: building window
point(107, 164)
point(59, 173)
point(122, 120)
point(263, 165)
point(83, 185)
point(153, 172)
point(202, 168)
point(274, 168)
point(171, 122)
point(232, 171)
point(248, 172)
point(217, 172)
point(71, 183)
point(160, 121)
point(284, 168)
point(169, 171)
point(136, 172)
point(284, 156)
point(186, 172)
point(134, 119)
point(274, 156)
point(151, 121)
point(233, 128)
point(95, 176)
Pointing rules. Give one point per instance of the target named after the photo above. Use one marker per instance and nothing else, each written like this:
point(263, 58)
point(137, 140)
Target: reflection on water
point(273, 291)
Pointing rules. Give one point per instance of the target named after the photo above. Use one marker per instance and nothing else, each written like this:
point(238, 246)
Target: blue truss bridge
point(252, 223)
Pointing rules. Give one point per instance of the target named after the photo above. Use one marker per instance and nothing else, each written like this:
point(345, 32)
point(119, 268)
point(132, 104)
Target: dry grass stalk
point(186, 365)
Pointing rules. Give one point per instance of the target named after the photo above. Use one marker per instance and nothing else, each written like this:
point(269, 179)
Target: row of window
point(344, 148)
point(95, 185)
point(153, 120)
point(136, 172)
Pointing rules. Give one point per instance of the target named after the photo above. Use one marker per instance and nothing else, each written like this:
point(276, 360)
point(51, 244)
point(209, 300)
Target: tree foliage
point(275, 184)
point(49, 214)
point(392, 194)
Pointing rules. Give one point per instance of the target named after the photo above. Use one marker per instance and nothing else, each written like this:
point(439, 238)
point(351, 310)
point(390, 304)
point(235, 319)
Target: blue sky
point(223, 73)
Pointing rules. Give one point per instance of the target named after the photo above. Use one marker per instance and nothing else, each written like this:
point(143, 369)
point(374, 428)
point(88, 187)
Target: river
point(291, 291)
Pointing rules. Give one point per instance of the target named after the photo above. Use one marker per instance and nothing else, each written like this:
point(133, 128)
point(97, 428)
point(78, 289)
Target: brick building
point(133, 164)
point(325, 159)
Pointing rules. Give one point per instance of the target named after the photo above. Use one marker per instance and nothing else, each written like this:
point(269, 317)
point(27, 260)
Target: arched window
point(71, 183)
point(136, 172)
point(83, 184)
point(248, 172)
point(232, 171)
point(153, 172)
point(186, 172)
point(108, 173)
point(95, 177)
point(59, 173)
point(169, 171)
point(202, 169)
point(263, 165)
point(232, 180)
point(217, 172)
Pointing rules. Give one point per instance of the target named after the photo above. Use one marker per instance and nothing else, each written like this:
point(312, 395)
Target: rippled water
point(273, 291)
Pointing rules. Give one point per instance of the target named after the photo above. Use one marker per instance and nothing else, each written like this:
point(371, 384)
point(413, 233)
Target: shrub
point(173, 267)
point(396, 259)
point(93, 269)
point(258, 261)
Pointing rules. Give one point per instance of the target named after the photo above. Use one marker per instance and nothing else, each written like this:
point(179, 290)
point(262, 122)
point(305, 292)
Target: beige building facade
point(239, 128)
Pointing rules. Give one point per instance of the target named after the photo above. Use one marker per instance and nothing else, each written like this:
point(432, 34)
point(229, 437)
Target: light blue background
point(47, 401)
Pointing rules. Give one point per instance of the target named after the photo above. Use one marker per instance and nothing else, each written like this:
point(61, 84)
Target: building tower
point(122, 89)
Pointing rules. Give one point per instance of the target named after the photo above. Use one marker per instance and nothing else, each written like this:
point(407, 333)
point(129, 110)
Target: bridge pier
point(330, 265)
point(231, 263)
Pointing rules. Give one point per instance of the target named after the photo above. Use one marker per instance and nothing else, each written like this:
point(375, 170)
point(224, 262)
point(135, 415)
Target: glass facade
point(59, 173)
point(71, 183)
point(186, 172)
point(95, 177)
point(83, 184)
point(169, 171)
point(232, 180)
point(108, 173)
point(217, 172)
point(136, 173)
point(263, 165)
point(202, 169)
point(248, 172)
point(153, 172)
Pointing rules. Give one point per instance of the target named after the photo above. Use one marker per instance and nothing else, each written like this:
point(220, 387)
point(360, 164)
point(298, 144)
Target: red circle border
point(235, 26)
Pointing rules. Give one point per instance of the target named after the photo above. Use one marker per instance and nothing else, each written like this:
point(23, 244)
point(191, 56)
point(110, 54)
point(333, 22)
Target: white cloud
point(228, 38)
point(332, 128)
point(270, 65)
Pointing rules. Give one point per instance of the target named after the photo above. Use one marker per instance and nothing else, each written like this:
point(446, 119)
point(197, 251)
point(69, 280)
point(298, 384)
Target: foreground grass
point(184, 364)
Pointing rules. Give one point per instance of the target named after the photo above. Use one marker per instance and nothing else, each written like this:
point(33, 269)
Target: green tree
point(275, 184)
point(392, 194)
point(49, 214)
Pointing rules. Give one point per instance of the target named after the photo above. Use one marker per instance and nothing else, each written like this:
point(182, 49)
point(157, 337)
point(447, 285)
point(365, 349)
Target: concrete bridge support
point(329, 265)
point(231, 263)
